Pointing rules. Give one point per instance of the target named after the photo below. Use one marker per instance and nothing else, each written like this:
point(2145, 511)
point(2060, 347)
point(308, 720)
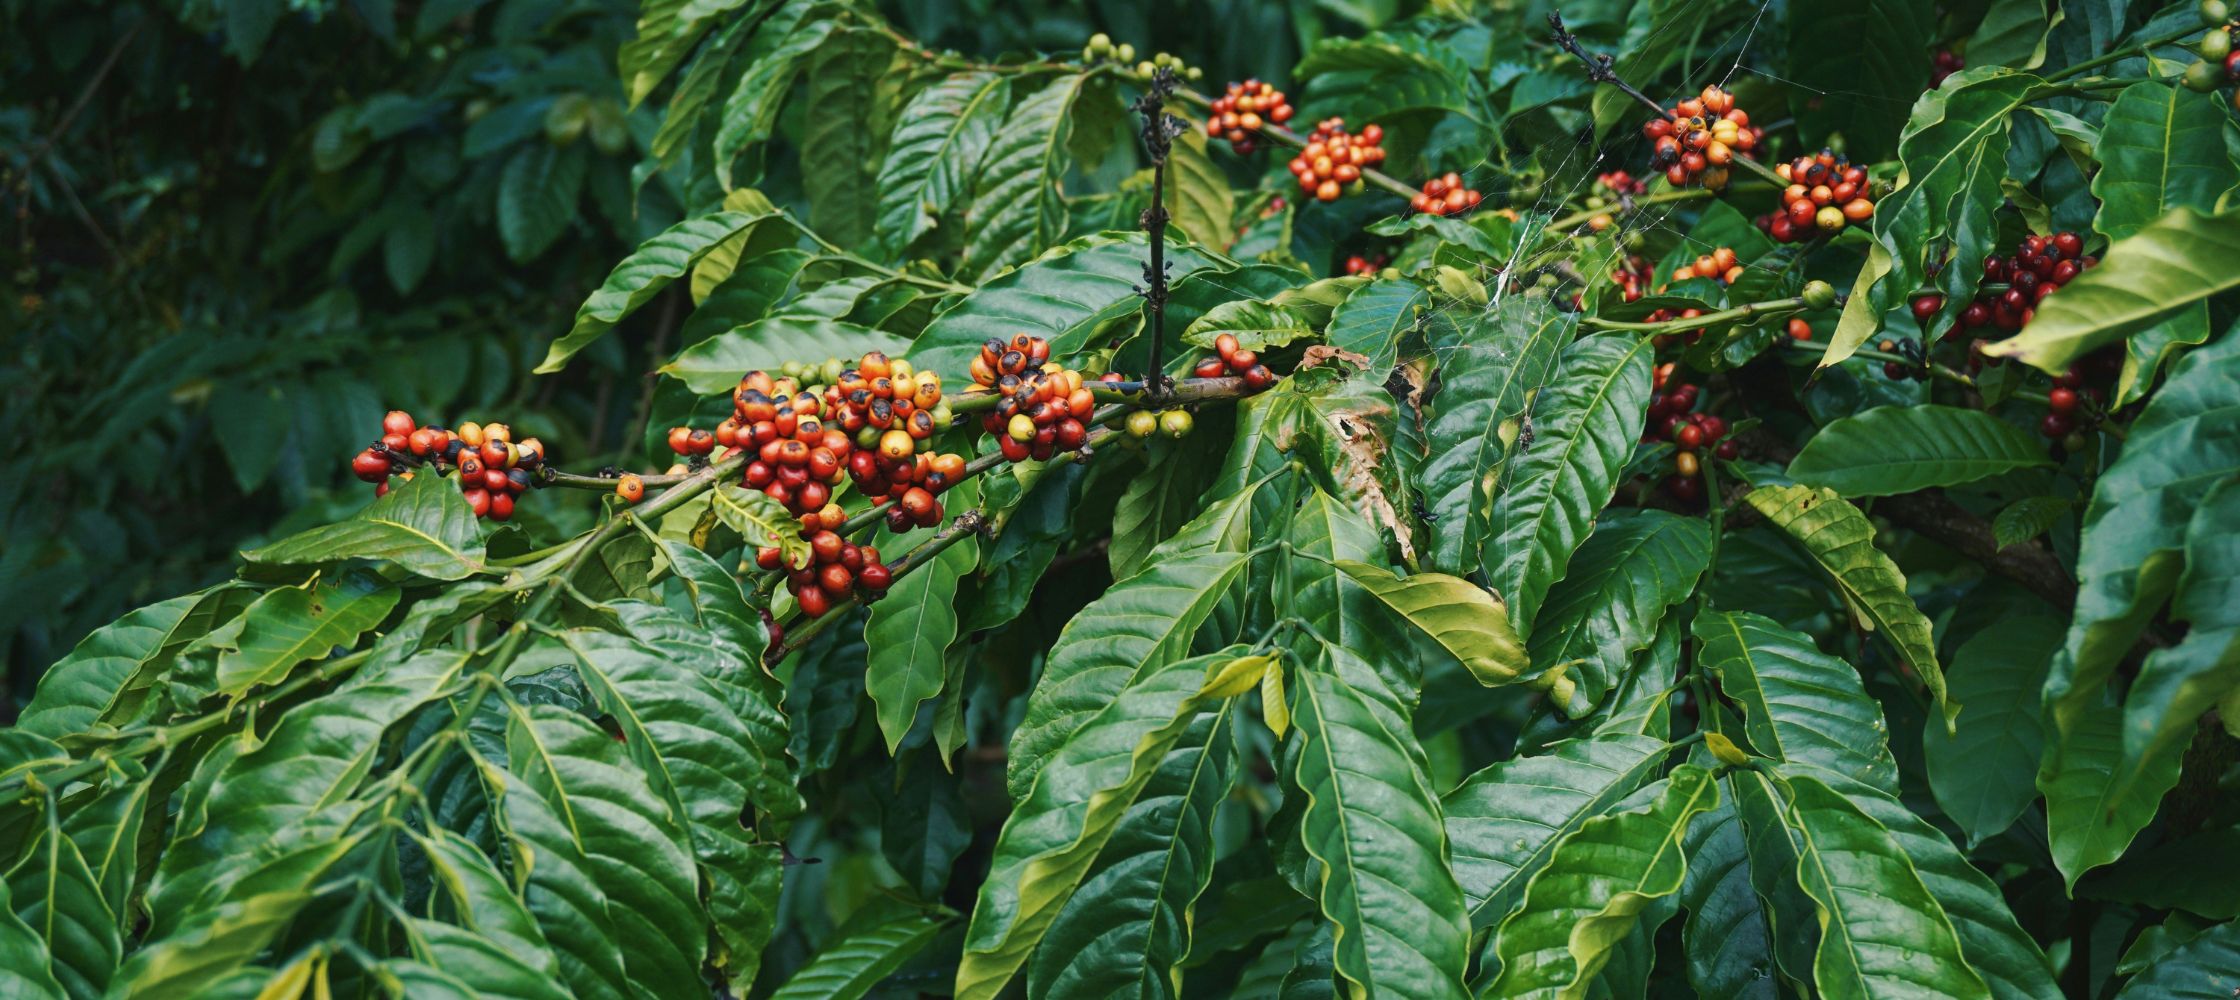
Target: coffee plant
point(1643, 500)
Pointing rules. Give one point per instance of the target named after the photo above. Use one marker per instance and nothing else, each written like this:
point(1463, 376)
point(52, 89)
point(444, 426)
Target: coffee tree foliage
point(1482, 654)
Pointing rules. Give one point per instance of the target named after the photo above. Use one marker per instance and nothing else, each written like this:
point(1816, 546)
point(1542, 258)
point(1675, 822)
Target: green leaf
point(1726, 938)
point(483, 966)
point(1799, 705)
point(2177, 685)
point(1883, 933)
point(1074, 804)
point(2161, 148)
point(2013, 33)
point(1503, 836)
point(561, 889)
point(1018, 199)
point(2088, 823)
point(1622, 580)
point(1842, 541)
point(662, 42)
point(2200, 969)
point(2167, 266)
point(1160, 499)
point(2027, 518)
point(1470, 624)
point(1984, 771)
point(647, 271)
point(243, 414)
point(1997, 947)
point(715, 365)
point(937, 146)
point(773, 60)
point(24, 958)
point(537, 196)
point(1199, 198)
point(677, 727)
point(1875, 47)
point(78, 689)
point(851, 98)
point(477, 897)
point(424, 526)
point(1902, 449)
point(681, 114)
point(2132, 549)
point(290, 625)
point(53, 892)
point(1138, 626)
point(107, 831)
point(1954, 154)
point(1065, 296)
point(1256, 325)
point(1584, 426)
point(1373, 824)
point(1603, 876)
point(759, 518)
point(870, 948)
point(909, 632)
point(752, 695)
point(1128, 928)
point(1488, 383)
point(256, 796)
point(2186, 873)
point(217, 940)
point(630, 842)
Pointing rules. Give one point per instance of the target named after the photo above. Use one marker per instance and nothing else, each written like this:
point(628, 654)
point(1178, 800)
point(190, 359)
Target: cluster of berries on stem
point(836, 569)
point(1239, 114)
point(1720, 265)
point(797, 457)
point(891, 408)
point(1944, 64)
point(492, 468)
point(1700, 137)
point(1358, 264)
point(1621, 186)
point(1825, 194)
point(1230, 358)
point(1331, 163)
point(1445, 196)
point(2067, 412)
point(2013, 287)
point(1043, 407)
point(1673, 417)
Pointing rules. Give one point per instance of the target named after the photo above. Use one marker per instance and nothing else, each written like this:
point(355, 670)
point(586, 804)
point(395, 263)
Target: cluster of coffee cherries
point(2040, 265)
point(2087, 379)
point(1719, 265)
point(1100, 49)
point(1230, 358)
point(1634, 277)
point(1701, 137)
point(1044, 406)
point(1673, 417)
point(2219, 65)
point(492, 468)
point(1825, 193)
point(1445, 196)
point(1620, 185)
point(1238, 115)
point(890, 407)
point(797, 455)
point(836, 569)
point(1944, 64)
point(1358, 264)
point(1332, 162)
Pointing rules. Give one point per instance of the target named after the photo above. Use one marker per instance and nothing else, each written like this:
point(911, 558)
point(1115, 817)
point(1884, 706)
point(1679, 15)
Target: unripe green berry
point(2215, 12)
point(1143, 424)
point(1125, 53)
point(1175, 423)
point(1819, 294)
point(1145, 68)
point(2203, 77)
point(1100, 43)
point(2215, 44)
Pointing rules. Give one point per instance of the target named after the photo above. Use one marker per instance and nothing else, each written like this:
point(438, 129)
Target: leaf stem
point(1742, 313)
point(2141, 50)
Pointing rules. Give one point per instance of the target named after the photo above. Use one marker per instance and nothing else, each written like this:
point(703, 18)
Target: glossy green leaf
point(870, 948)
point(1073, 806)
point(78, 689)
point(1584, 425)
point(1875, 47)
point(1372, 823)
point(314, 757)
point(24, 958)
point(1506, 820)
point(715, 365)
point(1322, 531)
point(537, 196)
point(642, 275)
point(1603, 876)
point(1126, 931)
point(2027, 518)
point(1840, 538)
point(484, 966)
point(937, 144)
point(2200, 969)
point(54, 893)
point(1634, 568)
point(1376, 317)
point(851, 99)
point(424, 526)
point(1799, 705)
point(1996, 946)
point(1141, 624)
point(2161, 147)
point(1984, 772)
point(1726, 938)
point(1256, 325)
point(773, 60)
point(631, 843)
point(909, 632)
point(1882, 932)
point(2013, 33)
point(1161, 499)
point(1459, 615)
point(2168, 266)
point(1064, 296)
point(477, 897)
point(214, 941)
point(107, 831)
point(290, 625)
point(1018, 197)
point(1488, 382)
point(1198, 195)
point(1902, 449)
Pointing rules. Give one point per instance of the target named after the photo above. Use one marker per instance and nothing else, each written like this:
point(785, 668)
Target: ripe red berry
point(813, 602)
point(1927, 306)
point(2062, 400)
point(370, 466)
point(2069, 245)
point(630, 488)
point(2054, 425)
point(835, 579)
point(479, 500)
point(1689, 437)
point(769, 557)
point(501, 506)
point(1727, 450)
point(1210, 368)
point(397, 422)
point(875, 577)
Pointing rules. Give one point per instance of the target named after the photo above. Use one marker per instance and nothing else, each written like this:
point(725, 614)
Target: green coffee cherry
point(2215, 12)
point(2215, 44)
point(1143, 424)
point(1175, 423)
point(1819, 294)
point(2203, 77)
point(1125, 53)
